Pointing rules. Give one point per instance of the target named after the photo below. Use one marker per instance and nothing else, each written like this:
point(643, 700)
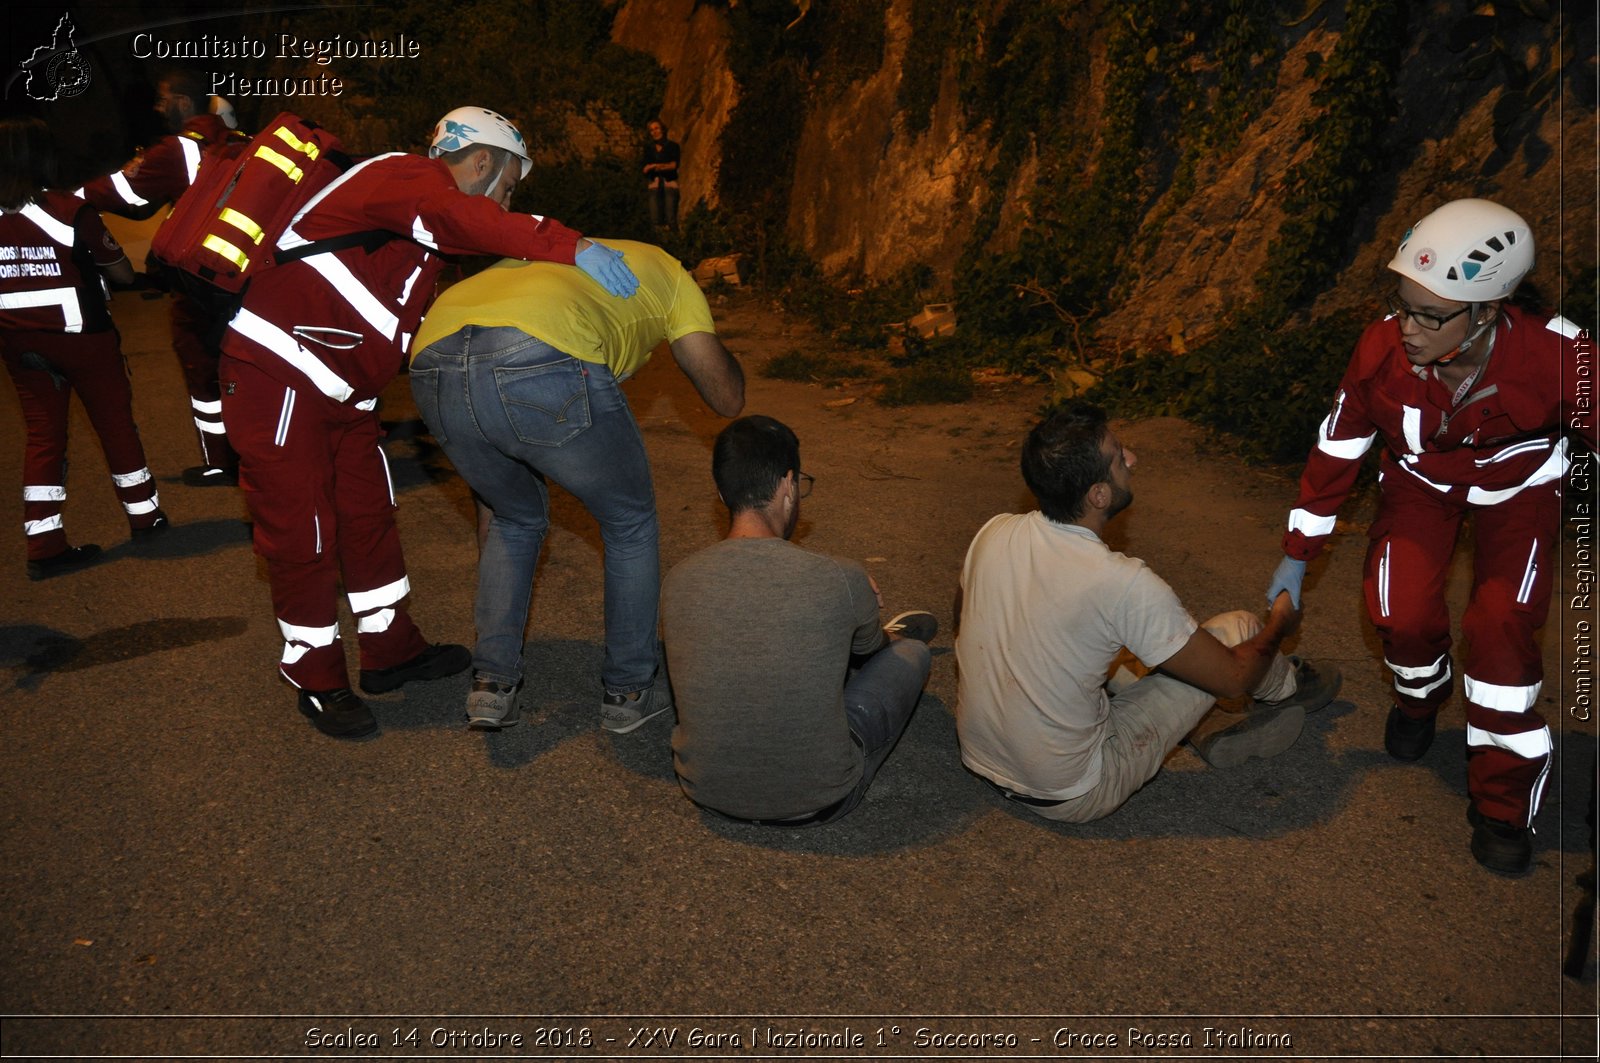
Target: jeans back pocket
point(547, 405)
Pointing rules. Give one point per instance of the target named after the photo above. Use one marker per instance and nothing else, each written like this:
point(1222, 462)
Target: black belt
point(1025, 799)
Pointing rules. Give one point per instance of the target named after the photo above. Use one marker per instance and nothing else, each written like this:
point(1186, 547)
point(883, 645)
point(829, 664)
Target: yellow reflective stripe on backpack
point(305, 147)
point(241, 222)
point(281, 162)
point(227, 251)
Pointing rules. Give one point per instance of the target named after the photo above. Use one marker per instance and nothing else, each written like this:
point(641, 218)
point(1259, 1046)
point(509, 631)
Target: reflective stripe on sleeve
point(44, 493)
point(367, 601)
point(1310, 524)
point(280, 343)
point(202, 406)
point(1563, 326)
point(119, 181)
point(210, 428)
point(191, 157)
point(1346, 449)
point(1501, 698)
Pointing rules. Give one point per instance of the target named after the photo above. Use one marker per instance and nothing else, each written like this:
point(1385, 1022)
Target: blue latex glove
point(606, 266)
point(1290, 574)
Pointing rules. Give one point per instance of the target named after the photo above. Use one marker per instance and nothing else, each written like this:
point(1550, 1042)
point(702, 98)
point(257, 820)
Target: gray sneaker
point(493, 706)
point(914, 624)
point(621, 713)
point(1265, 731)
point(1314, 687)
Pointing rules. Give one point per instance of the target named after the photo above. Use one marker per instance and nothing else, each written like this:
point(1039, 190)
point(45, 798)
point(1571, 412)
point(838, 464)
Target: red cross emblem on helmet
point(1425, 259)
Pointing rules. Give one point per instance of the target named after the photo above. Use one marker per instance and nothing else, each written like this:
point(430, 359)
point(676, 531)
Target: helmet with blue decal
point(1469, 250)
point(466, 126)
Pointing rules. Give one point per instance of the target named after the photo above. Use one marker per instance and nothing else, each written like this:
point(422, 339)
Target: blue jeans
point(878, 701)
point(509, 411)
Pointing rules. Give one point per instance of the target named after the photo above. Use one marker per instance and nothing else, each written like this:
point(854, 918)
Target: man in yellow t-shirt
point(516, 374)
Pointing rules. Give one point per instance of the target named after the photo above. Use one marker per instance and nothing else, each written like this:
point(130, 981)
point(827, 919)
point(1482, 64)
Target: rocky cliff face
point(691, 41)
point(870, 198)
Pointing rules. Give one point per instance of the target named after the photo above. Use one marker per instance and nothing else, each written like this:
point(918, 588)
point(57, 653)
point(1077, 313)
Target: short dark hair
point(186, 81)
point(1063, 457)
point(750, 458)
point(27, 161)
point(499, 157)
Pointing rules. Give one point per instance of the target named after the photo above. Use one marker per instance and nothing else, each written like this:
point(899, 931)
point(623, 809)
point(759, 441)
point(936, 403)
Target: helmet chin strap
point(1466, 344)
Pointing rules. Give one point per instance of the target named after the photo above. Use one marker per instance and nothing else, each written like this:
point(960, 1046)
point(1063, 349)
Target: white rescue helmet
point(478, 125)
point(1469, 250)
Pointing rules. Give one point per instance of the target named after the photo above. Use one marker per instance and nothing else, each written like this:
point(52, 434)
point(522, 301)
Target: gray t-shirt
point(759, 634)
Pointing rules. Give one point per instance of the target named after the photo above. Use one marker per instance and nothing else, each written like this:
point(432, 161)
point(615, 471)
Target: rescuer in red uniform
point(1471, 396)
point(56, 337)
point(304, 360)
point(156, 178)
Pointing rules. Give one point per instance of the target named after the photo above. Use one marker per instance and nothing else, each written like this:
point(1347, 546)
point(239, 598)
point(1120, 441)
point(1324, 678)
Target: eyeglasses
point(1431, 322)
point(805, 482)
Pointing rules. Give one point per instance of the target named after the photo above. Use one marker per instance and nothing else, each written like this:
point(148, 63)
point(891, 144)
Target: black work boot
point(1498, 845)
point(1406, 737)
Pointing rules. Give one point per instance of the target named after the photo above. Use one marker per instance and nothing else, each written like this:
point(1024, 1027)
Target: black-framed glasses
point(1431, 322)
point(805, 482)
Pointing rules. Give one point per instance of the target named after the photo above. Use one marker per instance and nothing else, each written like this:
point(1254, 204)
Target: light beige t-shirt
point(1045, 609)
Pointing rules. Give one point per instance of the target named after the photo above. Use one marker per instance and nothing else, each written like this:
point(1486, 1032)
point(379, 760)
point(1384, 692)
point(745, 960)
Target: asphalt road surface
point(191, 870)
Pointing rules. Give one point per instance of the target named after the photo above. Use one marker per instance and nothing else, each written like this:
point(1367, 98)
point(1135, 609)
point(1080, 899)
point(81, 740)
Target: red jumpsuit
point(1500, 455)
point(56, 336)
point(303, 362)
point(159, 177)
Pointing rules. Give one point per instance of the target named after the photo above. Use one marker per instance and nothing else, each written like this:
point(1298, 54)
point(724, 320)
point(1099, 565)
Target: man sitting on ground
point(773, 727)
point(1045, 609)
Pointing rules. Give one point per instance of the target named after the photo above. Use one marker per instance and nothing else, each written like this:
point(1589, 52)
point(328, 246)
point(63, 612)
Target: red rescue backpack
point(225, 227)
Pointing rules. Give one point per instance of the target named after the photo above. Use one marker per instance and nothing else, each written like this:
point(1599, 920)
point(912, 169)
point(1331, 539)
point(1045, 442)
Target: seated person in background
point(1044, 610)
point(773, 726)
